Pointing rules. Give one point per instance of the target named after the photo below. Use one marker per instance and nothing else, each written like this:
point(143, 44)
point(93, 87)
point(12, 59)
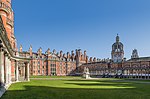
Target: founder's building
point(17, 65)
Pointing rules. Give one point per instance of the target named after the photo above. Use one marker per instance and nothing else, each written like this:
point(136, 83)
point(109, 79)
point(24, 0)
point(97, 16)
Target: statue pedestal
point(87, 76)
point(86, 73)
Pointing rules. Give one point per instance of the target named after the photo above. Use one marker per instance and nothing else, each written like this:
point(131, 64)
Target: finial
point(30, 46)
point(117, 38)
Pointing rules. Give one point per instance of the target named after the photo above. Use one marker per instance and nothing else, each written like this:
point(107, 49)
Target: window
point(43, 72)
point(53, 69)
point(38, 71)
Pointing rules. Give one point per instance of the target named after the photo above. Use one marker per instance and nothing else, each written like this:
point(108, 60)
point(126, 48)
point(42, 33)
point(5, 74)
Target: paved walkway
point(2, 91)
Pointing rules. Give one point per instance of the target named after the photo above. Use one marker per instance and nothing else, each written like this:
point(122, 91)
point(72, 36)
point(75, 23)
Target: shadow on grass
point(34, 92)
point(49, 92)
point(98, 84)
point(102, 81)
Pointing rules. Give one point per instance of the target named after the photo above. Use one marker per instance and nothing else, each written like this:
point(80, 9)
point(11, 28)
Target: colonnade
point(129, 73)
point(6, 68)
point(137, 74)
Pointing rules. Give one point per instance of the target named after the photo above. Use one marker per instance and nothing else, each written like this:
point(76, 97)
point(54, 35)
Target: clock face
point(117, 57)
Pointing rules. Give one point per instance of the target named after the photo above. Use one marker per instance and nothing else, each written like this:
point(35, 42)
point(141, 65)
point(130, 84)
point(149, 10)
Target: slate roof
point(139, 59)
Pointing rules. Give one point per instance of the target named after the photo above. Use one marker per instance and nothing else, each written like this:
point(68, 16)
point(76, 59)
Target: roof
point(140, 59)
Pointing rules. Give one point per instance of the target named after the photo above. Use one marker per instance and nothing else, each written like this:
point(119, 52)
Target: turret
point(20, 48)
point(61, 53)
point(72, 55)
point(64, 55)
point(85, 55)
point(30, 50)
point(87, 59)
point(91, 59)
point(94, 60)
point(7, 15)
point(48, 51)
point(40, 51)
point(135, 54)
point(54, 51)
point(68, 55)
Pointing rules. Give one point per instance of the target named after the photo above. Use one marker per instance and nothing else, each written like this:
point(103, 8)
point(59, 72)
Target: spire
point(117, 38)
point(20, 48)
point(30, 48)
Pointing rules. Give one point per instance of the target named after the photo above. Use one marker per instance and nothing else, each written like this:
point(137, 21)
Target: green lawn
point(78, 89)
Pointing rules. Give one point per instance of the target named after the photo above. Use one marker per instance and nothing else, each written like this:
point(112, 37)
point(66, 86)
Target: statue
point(86, 73)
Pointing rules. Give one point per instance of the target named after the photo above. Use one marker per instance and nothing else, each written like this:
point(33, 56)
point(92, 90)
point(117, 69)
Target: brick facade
point(118, 66)
point(53, 63)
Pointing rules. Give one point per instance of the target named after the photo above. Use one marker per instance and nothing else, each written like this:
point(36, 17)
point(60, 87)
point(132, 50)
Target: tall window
point(43, 72)
point(53, 69)
point(38, 71)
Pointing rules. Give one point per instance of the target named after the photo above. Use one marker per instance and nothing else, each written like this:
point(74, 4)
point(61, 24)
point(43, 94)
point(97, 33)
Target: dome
point(117, 45)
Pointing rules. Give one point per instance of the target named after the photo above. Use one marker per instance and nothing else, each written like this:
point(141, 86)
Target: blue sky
point(91, 25)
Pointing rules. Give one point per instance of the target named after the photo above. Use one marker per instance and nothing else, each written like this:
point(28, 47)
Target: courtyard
point(79, 88)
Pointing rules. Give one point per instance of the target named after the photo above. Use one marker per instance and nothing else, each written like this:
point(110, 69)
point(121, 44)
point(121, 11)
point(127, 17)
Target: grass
point(78, 89)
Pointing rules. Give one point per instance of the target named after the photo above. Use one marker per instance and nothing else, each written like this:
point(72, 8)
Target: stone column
point(2, 67)
point(141, 75)
point(17, 72)
point(6, 68)
point(128, 73)
point(9, 70)
point(132, 74)
point(138, 74)
point(145, 74)
point(23, 72)
point(27, 71)
point(148, 74)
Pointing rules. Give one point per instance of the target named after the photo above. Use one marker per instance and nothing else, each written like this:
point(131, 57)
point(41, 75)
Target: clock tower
point(117, 53)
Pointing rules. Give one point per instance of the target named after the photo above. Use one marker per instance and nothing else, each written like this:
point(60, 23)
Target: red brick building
point(118, 66)
point(54, 63)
